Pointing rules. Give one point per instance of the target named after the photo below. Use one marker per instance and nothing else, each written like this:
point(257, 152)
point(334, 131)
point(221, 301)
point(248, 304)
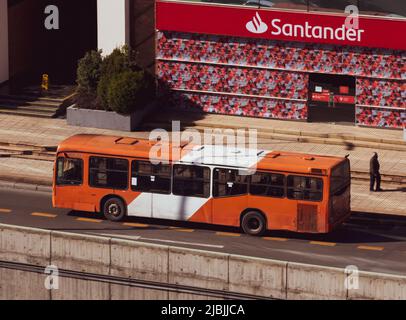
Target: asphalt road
point(371, 245)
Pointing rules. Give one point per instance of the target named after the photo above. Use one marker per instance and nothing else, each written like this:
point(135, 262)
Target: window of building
point(305, 188)
point(111, 173)
point(267, 184)
point(280, 4)
point(394, 8)
point(69, 171)
point(328, 5)
point(227, 182)
point(193, 181)
point(148, 177)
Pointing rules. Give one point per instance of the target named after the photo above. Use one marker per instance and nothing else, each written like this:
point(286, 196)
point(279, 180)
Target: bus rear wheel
point(114, 209)
point(253, 223)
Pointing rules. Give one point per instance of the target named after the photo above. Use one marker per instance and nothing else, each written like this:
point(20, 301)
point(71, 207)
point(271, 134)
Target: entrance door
point(331, 98)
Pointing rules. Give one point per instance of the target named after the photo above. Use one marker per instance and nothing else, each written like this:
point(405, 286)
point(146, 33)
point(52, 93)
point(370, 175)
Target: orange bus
point(286, 191)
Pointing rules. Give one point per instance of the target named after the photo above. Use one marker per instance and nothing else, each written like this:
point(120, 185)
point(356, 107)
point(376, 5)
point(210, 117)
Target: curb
point(25, 186)
point(387, 219)
point(299, 133)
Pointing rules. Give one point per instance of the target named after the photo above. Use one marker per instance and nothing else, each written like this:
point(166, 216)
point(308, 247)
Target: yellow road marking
point(44, 215)
point(137, 225)
point(274, 238)
point(322, 243)
point(5, 210)
point(228, 234)
point(89, 220)
point(370, 248)
point(181, 229)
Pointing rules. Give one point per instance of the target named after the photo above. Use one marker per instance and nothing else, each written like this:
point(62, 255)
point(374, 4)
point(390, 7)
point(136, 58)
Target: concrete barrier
point(138, 260)
point(120, 292)
point(25, 245)
point(379, 287)
point(78, 289)
point(260, 277)
point(22, 285)
point(198, 268)
point(78, 252)
point(178, 266)
point(315, 282)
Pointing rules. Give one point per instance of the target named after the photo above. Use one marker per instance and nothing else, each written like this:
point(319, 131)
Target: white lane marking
point(184, 242)
point(158, 240)
point(116, 235)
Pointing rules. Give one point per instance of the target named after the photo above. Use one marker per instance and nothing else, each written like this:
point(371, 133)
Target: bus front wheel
point(253, 223)
point(114, 209)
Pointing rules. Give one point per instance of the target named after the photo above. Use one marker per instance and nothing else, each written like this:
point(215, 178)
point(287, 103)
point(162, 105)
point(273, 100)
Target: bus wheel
point(253, 223)
point(114, 209)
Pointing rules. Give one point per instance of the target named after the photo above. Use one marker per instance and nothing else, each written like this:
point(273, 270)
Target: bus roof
point(242, 158)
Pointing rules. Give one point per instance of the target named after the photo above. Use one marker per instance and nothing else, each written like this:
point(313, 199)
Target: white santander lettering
point(315, 32)
point(274, 24)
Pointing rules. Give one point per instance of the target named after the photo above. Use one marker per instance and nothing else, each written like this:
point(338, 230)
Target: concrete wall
point(113, 24)
point(4, 66)
point(142, 32)
point(315, 282)
point(379, 287)
point(178, 268)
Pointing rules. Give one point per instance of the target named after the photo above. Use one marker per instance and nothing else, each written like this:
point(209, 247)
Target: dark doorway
point(34, 50)
point(331, 98)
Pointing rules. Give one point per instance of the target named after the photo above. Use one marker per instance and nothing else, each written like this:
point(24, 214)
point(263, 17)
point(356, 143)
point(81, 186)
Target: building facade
point(281, 59)
point(283, 62)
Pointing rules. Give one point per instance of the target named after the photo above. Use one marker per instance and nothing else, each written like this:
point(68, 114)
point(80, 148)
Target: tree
point(120, 60)
point(88, 72)
point(126, 91)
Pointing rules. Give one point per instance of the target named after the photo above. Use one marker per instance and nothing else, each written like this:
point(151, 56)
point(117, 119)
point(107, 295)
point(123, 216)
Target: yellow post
point(45, 82)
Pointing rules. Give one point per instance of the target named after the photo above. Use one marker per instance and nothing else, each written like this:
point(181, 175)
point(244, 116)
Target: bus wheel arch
point(113, 207)
point(253, 222)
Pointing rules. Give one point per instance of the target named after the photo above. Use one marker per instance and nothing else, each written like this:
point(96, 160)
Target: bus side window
point(305, 188)
point(227, 182)
point(109, 173)
point(147, 177)
point(69, 171)
point(193, 181)
point(267, 184)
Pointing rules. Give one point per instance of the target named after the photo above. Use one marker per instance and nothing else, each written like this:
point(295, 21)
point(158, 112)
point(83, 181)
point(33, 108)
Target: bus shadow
point(344, 234)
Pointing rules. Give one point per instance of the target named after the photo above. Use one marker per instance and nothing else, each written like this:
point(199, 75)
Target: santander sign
point(283, 25)
point(305, 30)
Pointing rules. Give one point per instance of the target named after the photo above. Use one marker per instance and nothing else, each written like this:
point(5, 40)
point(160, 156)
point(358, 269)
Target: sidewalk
point(291, 130)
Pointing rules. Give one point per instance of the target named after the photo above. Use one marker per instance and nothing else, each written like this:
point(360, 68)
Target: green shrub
point(114, 82)
point(88, 72)
point(125, 92)
point(120, 60)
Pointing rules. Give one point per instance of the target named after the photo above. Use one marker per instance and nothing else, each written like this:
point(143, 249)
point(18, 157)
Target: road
point(368, 244)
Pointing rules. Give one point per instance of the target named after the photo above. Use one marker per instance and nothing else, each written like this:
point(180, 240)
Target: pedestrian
point(374, 173)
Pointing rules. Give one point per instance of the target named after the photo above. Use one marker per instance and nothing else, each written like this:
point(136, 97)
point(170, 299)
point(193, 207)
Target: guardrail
point(94, 267)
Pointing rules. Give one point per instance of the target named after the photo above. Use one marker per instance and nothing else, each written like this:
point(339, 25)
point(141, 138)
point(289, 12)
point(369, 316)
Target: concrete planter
point(107, 119)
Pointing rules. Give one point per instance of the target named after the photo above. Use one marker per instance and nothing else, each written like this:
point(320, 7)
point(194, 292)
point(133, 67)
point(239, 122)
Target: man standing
point(374, 173)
